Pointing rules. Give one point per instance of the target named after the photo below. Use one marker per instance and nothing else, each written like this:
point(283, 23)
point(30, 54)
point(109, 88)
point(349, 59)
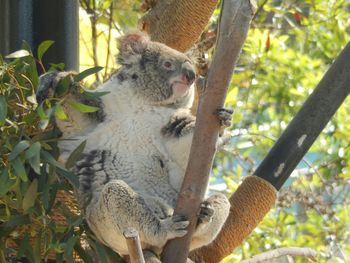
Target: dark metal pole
point(308, 123)
point(37, 20)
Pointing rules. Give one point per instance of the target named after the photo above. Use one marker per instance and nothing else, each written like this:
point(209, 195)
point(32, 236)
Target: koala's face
point(161, 75)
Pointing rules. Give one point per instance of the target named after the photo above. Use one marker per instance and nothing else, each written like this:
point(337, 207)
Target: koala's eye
point(168, 65)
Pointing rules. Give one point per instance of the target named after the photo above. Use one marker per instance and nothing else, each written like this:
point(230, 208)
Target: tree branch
point(134, 246)
point(234, 24)
point(279, 252)
point(177, 23)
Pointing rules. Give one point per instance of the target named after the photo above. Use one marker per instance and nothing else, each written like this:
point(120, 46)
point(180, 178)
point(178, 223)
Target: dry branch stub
point(134, 245)
point(249, 204)
point(177, 23)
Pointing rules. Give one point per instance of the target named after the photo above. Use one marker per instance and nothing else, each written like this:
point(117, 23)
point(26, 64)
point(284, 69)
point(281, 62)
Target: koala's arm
point(77, 122)
point(178, 133)
point(212, 216)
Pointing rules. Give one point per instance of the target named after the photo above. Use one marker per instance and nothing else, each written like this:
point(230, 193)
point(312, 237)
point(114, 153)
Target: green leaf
point(57, 67)
point(100, 250)
point(19, 169)
point(18, 149)
point(72, 178)
point(63, 86)
point(19, 54)
point(75, 155)
point(6, 182)
point(33, 150)
point(33, 156)
point(59, 113)
point(47, 157)
point(86, 73)
point(83, 107)
point(16, 220)
point(41, 112)
point(82, 254)
point(3, 110)
point(93, 95)
point(30, 195)
point(68, 251)
point(43, 47)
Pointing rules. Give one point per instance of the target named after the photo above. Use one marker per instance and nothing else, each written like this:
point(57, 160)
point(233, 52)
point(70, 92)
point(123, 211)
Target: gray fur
point(136, 155)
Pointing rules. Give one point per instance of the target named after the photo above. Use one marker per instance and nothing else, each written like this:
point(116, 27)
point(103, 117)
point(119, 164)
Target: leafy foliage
point(290, 46)
point(37, 218)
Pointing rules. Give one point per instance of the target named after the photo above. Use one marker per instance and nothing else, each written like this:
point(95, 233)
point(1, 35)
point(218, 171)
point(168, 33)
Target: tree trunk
point(234, 24)
point(177, 23)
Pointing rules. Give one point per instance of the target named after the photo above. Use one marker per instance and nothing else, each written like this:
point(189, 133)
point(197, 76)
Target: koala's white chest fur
point(129, 146)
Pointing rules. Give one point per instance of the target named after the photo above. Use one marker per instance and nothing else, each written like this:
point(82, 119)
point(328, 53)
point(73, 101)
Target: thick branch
point(288, 150)
point(279, 252)
point(308, 123)
point(235, 18)
point(177, 23)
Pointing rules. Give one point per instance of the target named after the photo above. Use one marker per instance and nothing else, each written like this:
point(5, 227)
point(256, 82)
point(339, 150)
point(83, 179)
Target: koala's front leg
point(213, 214)
point(120, 207)
point(61, 85)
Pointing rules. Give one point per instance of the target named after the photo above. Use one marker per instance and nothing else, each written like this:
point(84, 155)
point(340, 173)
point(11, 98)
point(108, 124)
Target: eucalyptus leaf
point(82, 254)
point(30, 195)
point(68, 251)
point(6, 182)
point(72, 178)
point(18, 149)
point(86, 73)
point(19, 169)
point(43, 47)
point(83, 107)
point(59, 113)
point(75, 155)
point(16, 220)
point(93, 95)
point(33, 150)
point(19, 54)
point(46, 156)
point(3, 110)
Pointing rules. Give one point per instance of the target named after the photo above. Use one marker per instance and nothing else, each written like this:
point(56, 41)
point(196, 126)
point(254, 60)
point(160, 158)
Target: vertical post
point(34, 21)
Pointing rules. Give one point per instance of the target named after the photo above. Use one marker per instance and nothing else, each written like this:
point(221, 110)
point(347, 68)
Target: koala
point(137, 149)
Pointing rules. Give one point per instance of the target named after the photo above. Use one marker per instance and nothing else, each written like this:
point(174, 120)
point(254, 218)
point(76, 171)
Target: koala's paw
point(179, 126)
point(49, 82)
point(206, 213)
point(225, 116)
point(150, 257)
point(175, 226)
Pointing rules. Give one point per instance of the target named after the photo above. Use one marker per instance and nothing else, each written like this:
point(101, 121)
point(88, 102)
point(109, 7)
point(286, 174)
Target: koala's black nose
point(187, 70)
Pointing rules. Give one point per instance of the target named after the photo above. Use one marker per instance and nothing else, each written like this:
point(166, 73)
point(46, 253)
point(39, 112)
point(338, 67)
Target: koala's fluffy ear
point(131, 48)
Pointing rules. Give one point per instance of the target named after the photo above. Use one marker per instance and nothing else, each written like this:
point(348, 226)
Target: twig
point(284, 251)
point(108, 39)
point(134, 246)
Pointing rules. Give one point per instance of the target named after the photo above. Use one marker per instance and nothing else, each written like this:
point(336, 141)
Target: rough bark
point(177, 23)
point(235, 19)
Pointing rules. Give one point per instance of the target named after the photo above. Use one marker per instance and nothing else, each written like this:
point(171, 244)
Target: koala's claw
point(206, 213)
point(48, 84)
point(179, 126)
point(225, 116)
point(175, 226)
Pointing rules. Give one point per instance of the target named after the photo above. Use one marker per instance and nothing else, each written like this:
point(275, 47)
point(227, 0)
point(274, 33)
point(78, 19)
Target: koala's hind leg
point(121, 207)
point(213, 214)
